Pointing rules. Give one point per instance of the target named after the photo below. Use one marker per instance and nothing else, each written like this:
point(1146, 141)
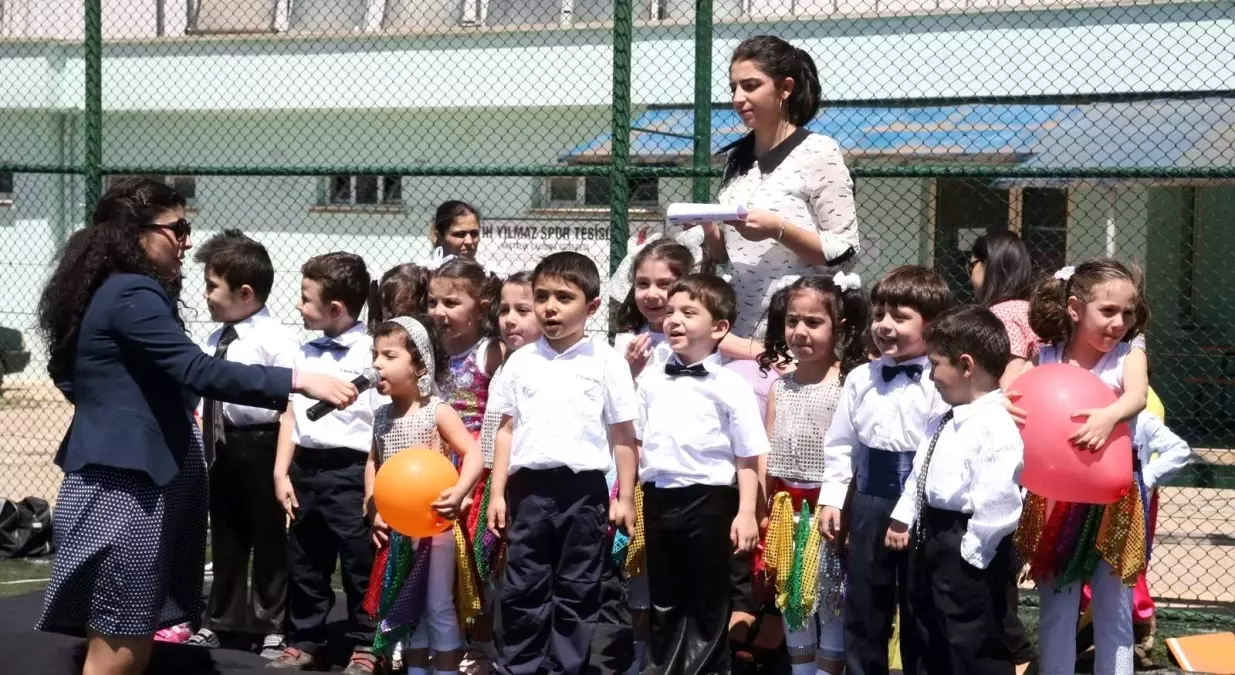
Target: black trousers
point(688, 568)
point(246, 522)
point(329, 526)
point(613, 643)
point(878, 585)
point(556, 531)
point(960, 612)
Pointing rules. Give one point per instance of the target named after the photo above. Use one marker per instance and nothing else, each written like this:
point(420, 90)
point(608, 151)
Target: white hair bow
point(437, 258)
point(847, 282)
point(1065, 273)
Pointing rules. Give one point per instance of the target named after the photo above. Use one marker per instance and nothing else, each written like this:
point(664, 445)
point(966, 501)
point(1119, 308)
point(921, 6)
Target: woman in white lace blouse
point(794, 185)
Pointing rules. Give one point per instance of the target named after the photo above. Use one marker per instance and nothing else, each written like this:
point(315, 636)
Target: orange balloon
point(407, 484)
point(1054, 468)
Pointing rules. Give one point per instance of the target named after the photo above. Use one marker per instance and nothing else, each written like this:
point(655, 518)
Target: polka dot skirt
point(129, 554)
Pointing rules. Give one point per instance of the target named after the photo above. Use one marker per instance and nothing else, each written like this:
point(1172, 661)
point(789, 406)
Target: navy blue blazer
point(137, 378)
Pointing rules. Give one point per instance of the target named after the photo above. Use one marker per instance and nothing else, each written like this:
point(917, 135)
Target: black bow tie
point(329, 345)
point(674, 369)
point(912, 371)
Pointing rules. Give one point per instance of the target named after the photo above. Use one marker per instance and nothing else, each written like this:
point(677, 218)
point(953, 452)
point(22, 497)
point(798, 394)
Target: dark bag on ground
point(25, 528)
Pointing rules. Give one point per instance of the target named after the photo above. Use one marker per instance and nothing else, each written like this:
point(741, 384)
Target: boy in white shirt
point(319, 472)
point(567, 400)
point(963, 502)
point(244, 520)
point(868, 453)
point(701, 432)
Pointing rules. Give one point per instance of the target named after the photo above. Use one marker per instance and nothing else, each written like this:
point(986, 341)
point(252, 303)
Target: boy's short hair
point(571, 267)
point(343, 278)
point(239, 260)
point(919, 288)
point(972, 330)
point(709, 290)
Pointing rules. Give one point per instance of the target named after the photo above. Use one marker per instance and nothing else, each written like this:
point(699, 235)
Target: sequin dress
point(399, 593)
point(466, 389)
point(1065, 542)
point(807, 571)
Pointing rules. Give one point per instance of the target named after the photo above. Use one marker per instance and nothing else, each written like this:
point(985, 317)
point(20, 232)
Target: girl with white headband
point(418, 607)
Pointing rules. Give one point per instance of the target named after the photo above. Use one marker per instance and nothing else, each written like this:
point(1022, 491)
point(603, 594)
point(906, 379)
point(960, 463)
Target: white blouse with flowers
point(804, 179)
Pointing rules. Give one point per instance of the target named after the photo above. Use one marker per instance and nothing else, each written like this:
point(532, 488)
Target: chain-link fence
point(1091, 127)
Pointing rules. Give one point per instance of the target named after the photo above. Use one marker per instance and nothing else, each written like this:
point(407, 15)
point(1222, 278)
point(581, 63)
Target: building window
point(1044, 227)
point(233, 16)
point(593, 192)
point(967, 208)
point(6, 187)
point(185, 185)
point(363, 190)
point(549, 12)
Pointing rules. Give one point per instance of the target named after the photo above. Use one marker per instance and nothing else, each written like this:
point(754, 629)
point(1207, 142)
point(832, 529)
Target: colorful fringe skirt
point(487, 549)
point(398, 587)
point(808, 575)
point(628, 551)
point(1064, 541)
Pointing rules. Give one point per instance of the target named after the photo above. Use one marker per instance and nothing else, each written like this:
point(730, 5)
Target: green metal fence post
point(94, 105)
point(619, 170)
point(702, 160)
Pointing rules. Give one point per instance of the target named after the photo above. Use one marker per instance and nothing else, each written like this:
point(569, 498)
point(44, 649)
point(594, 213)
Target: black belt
point(937, 519)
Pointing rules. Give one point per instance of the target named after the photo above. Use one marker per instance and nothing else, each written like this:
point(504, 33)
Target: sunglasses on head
point(181, 228)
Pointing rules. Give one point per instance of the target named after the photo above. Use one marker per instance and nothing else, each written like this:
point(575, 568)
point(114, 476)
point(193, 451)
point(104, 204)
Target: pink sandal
point(177, 634)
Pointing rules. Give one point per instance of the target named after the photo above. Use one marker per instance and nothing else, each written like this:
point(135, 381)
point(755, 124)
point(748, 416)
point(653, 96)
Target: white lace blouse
point(804, 179)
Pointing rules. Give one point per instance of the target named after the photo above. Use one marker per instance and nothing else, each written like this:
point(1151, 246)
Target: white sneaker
point(272, 646)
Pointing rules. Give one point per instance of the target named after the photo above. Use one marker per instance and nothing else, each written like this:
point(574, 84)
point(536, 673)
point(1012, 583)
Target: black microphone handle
point(319, 410)
point(322, 408)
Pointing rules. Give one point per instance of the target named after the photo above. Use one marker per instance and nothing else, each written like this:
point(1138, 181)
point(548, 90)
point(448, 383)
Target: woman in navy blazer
point(130, 518)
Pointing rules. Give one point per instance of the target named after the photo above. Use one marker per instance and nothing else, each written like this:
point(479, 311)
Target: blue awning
point(1154, 133)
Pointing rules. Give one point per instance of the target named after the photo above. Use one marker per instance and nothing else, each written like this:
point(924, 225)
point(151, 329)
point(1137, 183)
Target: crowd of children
point(881, 477)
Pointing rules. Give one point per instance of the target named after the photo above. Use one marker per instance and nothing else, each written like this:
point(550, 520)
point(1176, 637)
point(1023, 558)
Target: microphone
point(365, 380)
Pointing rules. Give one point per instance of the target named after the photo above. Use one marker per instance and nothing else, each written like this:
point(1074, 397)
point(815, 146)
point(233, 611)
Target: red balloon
point(1054, 468)
point(406, 486)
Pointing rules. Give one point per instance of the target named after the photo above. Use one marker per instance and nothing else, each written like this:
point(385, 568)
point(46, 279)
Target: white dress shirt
point(260, 341)
point(351, 427)
point(1162, 453)
point(694, 428)
point(975, 469)
point(872, 413)
point(564, 403)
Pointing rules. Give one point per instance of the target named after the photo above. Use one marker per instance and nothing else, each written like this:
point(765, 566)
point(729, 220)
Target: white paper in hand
point(683, 212)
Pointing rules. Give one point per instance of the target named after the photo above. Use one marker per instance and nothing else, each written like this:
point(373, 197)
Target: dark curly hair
point(851, 306)
point(668, 251)
point(110, 245)
point(441, 360)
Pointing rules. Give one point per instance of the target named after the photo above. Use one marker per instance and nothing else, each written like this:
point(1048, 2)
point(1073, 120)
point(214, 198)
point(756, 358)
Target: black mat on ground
point(25, 650)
